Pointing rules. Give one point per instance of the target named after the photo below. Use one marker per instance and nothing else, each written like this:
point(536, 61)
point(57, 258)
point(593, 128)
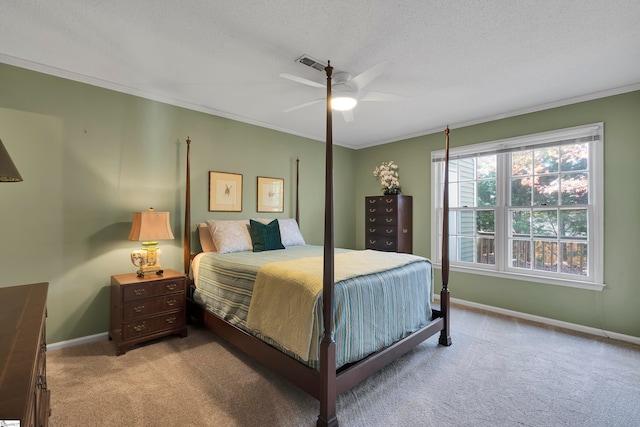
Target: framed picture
point(270, 194)
point(225, 192)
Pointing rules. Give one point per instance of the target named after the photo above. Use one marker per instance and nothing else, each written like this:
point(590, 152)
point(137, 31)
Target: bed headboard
point(187, 208)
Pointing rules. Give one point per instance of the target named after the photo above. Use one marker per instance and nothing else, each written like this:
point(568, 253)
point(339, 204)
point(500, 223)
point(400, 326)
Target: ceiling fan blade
point(306, 104)
point(347, 115)
point(302, 80)
point(366, 77)
point(372, 95)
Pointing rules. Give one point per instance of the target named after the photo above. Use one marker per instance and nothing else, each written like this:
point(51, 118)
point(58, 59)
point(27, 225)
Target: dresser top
point(22, 311)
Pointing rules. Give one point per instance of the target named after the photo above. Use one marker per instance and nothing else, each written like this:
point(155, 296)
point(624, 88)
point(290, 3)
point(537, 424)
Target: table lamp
point(8, 170)
point(149, 227)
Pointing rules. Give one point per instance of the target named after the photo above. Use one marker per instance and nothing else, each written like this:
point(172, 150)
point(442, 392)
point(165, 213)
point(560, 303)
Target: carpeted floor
point(499, 371)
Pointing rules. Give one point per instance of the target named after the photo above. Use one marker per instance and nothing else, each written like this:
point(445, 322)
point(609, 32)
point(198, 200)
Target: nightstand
point(145, 308)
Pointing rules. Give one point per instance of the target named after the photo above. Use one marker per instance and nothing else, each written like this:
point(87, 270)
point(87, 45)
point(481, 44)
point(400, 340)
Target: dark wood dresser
point(23, 369)
point(146, 308)
point(388, 223)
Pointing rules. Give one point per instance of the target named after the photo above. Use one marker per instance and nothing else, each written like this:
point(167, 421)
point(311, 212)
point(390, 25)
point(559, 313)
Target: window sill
point(528, 278)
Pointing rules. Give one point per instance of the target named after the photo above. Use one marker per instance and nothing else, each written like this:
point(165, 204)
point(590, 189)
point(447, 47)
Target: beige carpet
point(498, 372)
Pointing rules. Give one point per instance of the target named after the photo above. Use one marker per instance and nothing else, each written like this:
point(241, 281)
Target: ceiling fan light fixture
point(343, 103)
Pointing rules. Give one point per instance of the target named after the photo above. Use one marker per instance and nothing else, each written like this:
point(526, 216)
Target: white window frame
point(595, 278)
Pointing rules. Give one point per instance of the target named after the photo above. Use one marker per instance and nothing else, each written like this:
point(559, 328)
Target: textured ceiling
point(454, 62)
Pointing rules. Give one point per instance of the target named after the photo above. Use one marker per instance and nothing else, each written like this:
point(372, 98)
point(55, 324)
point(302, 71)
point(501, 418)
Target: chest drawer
point(381, 201)
point(381, 230)
point(382, 220)
point(379, 210)
point(382, 243)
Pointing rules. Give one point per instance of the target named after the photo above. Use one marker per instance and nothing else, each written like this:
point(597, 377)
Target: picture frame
point(225, 192)
point(270, 194)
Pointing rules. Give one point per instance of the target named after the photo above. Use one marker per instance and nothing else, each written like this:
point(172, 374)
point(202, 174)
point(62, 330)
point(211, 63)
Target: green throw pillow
point(265, 237)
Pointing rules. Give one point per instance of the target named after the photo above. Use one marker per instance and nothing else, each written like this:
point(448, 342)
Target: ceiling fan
point(347, 91)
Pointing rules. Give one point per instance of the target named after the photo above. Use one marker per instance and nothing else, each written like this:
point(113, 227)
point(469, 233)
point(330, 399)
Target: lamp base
point(150, 270)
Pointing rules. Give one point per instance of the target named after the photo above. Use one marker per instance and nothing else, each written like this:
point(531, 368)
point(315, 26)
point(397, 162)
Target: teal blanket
point(371, 311)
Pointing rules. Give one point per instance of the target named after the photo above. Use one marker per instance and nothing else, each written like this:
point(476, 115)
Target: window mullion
point(502, 197)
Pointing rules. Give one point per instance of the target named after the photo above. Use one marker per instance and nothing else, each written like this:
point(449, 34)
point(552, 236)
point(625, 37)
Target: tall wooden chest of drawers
point(147, 308)
point(388, 223)
point(24, 395)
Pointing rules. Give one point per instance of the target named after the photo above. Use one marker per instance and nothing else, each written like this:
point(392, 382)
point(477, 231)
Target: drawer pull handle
point(389, 231)
point(372, 210)
point(405, 230)
point(138, 308)
point(389, 209)
point(171, 302)
point(389, 219)
point(171, 320)
point(372, 230)
point(139, 291)
point(389, 243)
point(389, 200)
point(139, 328)
point(372, 201)
point(372, 220)
point(171, 286)
point(373, 242)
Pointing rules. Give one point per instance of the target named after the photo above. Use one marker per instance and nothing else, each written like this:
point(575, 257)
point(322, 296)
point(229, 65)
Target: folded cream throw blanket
point(285, 294)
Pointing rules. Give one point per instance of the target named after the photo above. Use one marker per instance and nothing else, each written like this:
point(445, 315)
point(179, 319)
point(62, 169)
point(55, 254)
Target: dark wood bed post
point(297, 191)
point(445, 336)
point(187, 214)
point(328, 394)
point(328, 383)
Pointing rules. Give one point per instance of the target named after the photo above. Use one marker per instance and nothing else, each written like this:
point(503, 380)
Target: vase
point(391, 191)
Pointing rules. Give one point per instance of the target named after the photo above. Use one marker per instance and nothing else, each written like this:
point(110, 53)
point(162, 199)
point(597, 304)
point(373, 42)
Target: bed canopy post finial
point(445, 335)
point(187, 213)
point(328, 393)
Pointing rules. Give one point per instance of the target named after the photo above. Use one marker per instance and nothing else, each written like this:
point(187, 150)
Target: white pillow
point(206, 241)
point(290, 233)
point(230, 236)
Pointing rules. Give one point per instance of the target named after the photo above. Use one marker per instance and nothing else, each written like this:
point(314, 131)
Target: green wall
point(616, 307)
point(90, 157)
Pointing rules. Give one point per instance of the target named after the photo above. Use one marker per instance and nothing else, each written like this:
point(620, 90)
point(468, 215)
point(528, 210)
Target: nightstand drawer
point(142, 308)
point(152, 325)
point(151, 289)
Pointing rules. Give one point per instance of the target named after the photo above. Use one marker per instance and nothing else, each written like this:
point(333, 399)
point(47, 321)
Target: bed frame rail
point(306, 378)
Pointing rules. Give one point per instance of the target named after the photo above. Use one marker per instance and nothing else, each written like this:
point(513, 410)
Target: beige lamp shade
point(8, 170)
point(150, 226)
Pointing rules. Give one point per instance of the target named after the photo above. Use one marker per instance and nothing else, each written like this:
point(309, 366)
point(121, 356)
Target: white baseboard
point(548, 321)
point(77, 341)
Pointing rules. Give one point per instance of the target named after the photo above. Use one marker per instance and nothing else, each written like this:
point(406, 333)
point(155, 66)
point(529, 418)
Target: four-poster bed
point(325, 381)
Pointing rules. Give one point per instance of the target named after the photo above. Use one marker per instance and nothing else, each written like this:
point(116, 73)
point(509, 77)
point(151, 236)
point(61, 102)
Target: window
point(529, 208)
